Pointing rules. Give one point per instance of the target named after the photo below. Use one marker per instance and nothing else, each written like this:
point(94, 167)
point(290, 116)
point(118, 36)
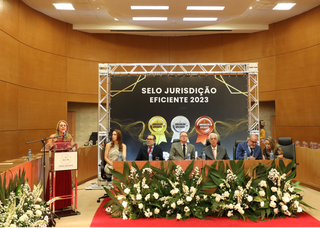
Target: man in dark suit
point(214, 151)
point(144, 151)
point(250, 147)
point(179, 150)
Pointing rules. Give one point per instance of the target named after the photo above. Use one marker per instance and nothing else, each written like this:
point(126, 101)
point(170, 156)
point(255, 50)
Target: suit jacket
point(176, 152)
point(243, 148)
point(221, 153)
point(143, 153)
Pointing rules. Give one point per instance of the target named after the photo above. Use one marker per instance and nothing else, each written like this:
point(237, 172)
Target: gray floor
point(87, 206)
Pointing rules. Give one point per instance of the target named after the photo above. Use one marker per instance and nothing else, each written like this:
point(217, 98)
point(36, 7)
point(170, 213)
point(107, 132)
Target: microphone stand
point(44, 161)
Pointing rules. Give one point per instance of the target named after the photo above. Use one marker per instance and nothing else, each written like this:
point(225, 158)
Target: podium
point(63, 167)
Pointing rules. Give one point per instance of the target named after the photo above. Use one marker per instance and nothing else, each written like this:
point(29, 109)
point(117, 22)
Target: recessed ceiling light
point(149, 7)
point(284, 6)
point(149, 18)
point(250, 7)
point(116, 19)
point(63, 6)
point(205, 7)
point(200, 18)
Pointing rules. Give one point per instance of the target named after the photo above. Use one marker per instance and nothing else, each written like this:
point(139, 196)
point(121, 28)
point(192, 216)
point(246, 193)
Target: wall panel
point(94, 47)
point(266, 78)
point(298, 32)
point(42, 32)
point(39, 109)
point(9, 145)
point(9, 17)
point(298, 69)
point(246, 47)
point(200, 49)
point(143, 49)
point(42, 70)
point(9, 107)
point(82, 76)
point(298, 107)
point(9, 49)
point(33, 135)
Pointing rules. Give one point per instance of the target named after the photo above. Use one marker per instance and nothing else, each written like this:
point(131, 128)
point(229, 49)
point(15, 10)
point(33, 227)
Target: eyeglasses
point(253, 141)
point(183, 136)
point(149, 139)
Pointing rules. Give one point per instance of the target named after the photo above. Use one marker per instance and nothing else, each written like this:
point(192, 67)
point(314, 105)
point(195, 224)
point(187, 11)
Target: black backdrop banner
point(167, 105)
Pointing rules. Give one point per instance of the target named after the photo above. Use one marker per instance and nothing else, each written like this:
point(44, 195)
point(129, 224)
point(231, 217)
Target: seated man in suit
point(179, 150)
point(250, 147)
point(214, 151)
point(144, 151)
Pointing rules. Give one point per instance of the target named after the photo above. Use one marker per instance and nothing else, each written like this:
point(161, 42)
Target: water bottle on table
point(29, 155)
point(203, 155)
point(188, 156)
point(271, 155)
point(150, 156)
point(120, 156)
point(245, 157)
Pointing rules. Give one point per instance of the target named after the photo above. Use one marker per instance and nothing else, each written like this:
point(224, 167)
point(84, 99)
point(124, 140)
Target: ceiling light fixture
point(116, 19)
point(250, 7)
point(63, 6)
point(284, 6)
point(150, 18)
point(205, 7)
point(200, 18)
point(149, 7)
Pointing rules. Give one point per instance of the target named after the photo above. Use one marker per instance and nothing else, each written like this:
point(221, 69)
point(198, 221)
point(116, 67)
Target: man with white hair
point(214, 151)
point(250, 147)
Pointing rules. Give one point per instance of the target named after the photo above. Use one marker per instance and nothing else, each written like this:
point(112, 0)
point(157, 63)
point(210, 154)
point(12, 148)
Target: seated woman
point(112, 150)
point(61, 143)
point(271, 145)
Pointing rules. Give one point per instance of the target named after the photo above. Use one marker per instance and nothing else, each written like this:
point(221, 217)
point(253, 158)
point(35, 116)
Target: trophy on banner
point(179, 124)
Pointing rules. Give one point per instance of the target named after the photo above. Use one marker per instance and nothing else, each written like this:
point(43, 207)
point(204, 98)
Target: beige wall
point(86, 120)
point(45, 64)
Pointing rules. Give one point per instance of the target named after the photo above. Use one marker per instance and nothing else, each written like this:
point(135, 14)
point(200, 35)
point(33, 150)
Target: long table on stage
point(87, 166)
point(118, 165)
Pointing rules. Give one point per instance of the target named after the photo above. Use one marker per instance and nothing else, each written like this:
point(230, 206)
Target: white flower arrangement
point(176, 193)
point(25, 209)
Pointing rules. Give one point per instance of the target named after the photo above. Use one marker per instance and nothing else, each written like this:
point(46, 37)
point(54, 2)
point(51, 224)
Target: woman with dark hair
point(263, 133)
point(61, 142)
point(271, 145)
point(112, 150)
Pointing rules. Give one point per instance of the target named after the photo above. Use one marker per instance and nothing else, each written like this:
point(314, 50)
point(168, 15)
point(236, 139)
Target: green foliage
point(13, 186)
point(264, 192)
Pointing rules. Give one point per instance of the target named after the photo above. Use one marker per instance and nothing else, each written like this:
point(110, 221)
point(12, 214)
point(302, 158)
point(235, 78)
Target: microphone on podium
point(64, 134)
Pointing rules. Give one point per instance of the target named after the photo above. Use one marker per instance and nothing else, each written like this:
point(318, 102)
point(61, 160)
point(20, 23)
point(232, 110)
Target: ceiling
point(97, 16)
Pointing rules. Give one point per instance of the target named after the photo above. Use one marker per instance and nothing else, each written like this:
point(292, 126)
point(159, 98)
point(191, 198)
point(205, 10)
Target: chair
point(93, 137)
point(289, 150)
point(235, 147)
point(287, 147)
point(103, 174)
point(176, 140)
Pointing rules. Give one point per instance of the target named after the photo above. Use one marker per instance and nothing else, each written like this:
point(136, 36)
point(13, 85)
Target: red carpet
point(101, 219)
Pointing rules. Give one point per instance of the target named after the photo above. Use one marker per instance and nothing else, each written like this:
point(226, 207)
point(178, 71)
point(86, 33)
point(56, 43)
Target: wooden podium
point(64, 158)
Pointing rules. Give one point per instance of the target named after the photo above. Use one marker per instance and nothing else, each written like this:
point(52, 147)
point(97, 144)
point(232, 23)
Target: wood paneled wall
point(44, 64)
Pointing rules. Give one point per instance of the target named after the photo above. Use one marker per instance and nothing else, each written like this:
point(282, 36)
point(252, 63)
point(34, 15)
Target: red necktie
point(149, 149)
point(214, 152)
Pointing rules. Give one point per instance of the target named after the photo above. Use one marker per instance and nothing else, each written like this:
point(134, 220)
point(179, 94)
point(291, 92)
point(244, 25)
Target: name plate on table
point(65, 161)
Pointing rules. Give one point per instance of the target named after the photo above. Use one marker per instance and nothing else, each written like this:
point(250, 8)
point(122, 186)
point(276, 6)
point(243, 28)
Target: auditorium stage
point(87, 205)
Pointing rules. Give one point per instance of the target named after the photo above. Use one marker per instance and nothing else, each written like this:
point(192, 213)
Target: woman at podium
point(60, 142)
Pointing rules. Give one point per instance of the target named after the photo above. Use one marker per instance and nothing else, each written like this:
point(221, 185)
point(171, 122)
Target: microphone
point(64, 134)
